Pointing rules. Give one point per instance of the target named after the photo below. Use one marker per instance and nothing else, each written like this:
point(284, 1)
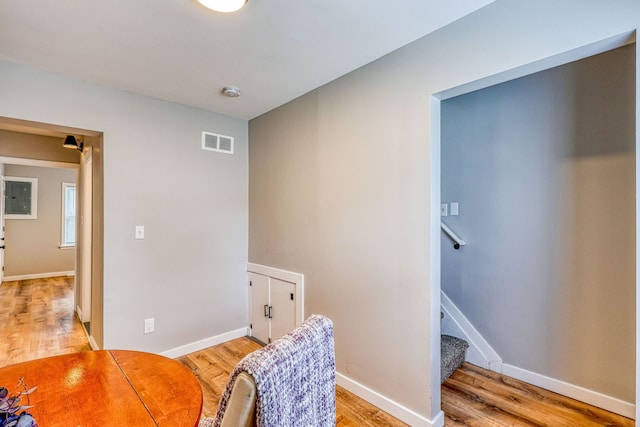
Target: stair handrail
point(457, 240)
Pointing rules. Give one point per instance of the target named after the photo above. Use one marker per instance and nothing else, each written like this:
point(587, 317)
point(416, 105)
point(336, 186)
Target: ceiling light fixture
point(231, 91)
point(71, 142)
point(223, 5)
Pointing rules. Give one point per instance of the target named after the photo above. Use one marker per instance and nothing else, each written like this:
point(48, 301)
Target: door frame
point(84, 243)
point(94, 139)
point(434, 116)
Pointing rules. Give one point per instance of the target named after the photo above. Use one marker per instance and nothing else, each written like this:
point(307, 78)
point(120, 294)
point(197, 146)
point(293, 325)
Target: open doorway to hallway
point(31, 144)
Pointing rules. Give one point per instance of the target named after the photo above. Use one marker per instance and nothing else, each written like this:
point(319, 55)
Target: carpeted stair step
point(452, 353)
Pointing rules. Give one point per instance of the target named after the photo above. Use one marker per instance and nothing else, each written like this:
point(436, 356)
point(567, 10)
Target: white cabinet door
point(259, 307)
point(283, 308)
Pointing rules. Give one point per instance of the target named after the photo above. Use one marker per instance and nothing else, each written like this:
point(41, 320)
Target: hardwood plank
point(473, 396)
point(354, 411)
point(524, 401)
point(469, 406)
point(549, 402)
point(213, 366)
point(37, 320)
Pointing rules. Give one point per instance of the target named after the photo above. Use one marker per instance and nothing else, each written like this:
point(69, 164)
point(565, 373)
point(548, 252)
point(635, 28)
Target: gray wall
point(544, 170)
point(189, 272)
point(33, 244)
point(340, 185)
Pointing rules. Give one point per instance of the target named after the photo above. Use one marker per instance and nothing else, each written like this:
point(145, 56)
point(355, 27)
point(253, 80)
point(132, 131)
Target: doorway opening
point(40, 144)
point(582, 179)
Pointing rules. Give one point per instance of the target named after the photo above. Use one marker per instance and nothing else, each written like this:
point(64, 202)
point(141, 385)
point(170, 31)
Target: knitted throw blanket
point(295, 378)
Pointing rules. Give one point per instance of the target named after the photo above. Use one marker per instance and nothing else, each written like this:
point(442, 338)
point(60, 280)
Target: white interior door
point(283, 314)
point(259, 307)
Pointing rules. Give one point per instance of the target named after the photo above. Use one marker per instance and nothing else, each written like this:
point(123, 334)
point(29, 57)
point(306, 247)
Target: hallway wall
point(544, 170)
point(33, 244)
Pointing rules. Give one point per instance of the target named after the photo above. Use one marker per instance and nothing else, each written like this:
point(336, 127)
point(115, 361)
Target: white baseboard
point(438, 421)
point(480, 352)
point(612, 404)
point(205, 343)
point(397, 410)
point(94, 345)
point(38, 276)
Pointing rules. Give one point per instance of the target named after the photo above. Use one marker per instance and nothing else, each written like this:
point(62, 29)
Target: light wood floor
point(213, 366)
point(37, 320)
point(473, 396)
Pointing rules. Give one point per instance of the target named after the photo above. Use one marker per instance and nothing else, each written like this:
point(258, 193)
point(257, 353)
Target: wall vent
point(216, 142)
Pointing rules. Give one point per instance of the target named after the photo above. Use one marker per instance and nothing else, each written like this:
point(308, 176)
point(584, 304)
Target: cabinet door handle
point(270, 317)
point(265, 310)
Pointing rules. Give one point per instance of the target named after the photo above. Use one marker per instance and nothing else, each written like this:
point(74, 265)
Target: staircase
point(452, 354)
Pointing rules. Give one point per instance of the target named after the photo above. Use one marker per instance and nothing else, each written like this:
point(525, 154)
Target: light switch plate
point(443, 209)
point(139, 231)
point(455, 209)
point(149, 325)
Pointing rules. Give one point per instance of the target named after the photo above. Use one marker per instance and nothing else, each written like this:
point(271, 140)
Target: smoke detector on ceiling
point(231, 91)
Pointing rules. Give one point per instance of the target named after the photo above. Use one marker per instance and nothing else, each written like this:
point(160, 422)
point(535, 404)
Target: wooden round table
point(108, 388)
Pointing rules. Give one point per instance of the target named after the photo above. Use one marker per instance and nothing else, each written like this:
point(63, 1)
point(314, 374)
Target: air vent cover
point(216, 142)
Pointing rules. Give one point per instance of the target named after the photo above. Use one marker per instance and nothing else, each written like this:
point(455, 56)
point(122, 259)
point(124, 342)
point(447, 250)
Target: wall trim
point(288, 276)
point(94, 345)
point(38, 276)
point(480, 351)
point(205, 343)
point(40, 163)
point(394, 408)
point(626, 409)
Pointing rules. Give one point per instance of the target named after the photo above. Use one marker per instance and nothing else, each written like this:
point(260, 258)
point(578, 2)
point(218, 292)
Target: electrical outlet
point(149, 325)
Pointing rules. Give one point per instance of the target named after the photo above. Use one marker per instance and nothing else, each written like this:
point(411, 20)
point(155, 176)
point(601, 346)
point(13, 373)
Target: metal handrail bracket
point(457, 240)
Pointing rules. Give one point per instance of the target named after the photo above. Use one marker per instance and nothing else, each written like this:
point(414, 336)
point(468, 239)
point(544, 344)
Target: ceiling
point(176, 50)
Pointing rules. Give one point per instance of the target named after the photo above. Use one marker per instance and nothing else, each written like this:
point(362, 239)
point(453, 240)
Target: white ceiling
point(273, 50)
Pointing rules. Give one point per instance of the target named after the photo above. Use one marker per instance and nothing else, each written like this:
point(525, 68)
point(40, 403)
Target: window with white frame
point(68, 215)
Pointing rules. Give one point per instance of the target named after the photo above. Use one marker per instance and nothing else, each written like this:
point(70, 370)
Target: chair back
point(290, 382)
